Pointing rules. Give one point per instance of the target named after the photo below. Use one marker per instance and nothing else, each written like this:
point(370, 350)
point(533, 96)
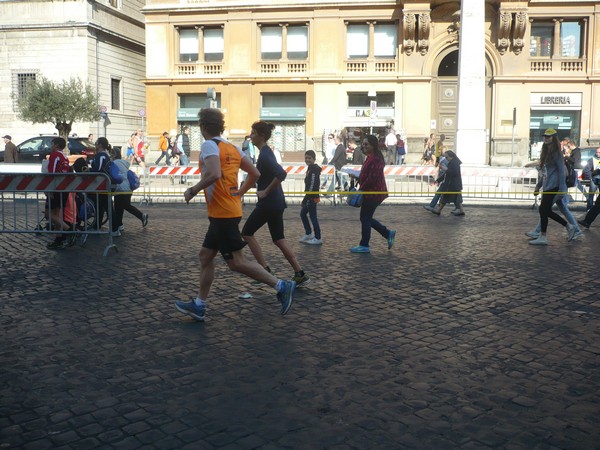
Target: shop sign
point(556, 100)
point(283, 113)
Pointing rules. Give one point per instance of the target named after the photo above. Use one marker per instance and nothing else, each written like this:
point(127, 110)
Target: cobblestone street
point(461, 336)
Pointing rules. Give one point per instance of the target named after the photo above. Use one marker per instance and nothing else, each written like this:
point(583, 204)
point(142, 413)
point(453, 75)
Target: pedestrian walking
point(554, 183)
point(122, 198)
point(221, 161)
point(593, 211)
point(310, 201)
point(163, 146)
point(271, 203)
point(451, 188)
point(11, 155)
point(372, 182)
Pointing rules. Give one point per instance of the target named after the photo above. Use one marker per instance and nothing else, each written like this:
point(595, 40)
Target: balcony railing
point(283, 68)
point(198, 69)
point(372, 66)
point(558, 66)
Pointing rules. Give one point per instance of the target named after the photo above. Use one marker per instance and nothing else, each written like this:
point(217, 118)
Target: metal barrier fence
point(162, 183)
point(24, 207)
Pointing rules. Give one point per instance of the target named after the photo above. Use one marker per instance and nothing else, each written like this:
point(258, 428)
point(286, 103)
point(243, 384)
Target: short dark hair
point(59, 142)
point(263, 129)
point(212, 121)
point(310, 153)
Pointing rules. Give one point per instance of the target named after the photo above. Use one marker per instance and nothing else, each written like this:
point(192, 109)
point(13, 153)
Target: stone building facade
point(99, 41)
point(356, 67)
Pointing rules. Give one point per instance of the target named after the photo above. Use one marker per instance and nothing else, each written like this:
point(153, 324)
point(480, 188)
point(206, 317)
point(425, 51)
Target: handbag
point(355, 199)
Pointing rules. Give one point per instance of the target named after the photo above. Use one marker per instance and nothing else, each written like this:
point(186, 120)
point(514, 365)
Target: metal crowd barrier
point(23, 201)
point(164, 183)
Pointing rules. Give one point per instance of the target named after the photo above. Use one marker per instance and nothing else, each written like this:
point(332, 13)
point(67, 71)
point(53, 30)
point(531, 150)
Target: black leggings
point(546, 210)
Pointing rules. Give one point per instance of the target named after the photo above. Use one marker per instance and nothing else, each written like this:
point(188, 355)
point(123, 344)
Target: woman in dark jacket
point(452, 186)
point(371, 179)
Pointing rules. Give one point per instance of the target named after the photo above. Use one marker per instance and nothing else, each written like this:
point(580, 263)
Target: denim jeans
point(309, 208)
point(367, 210)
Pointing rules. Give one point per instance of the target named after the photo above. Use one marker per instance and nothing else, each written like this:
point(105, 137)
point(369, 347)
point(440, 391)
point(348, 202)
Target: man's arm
point(211, 172)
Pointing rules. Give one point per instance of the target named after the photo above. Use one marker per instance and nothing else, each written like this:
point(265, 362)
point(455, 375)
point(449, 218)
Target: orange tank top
point(222, 197)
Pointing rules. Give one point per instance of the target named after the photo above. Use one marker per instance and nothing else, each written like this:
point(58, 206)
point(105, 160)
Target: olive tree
point(60, 103)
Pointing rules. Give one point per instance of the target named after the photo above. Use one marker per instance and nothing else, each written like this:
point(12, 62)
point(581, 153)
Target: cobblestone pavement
point(461, 336)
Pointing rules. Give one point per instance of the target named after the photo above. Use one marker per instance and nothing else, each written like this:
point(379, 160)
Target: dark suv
point(36, 149)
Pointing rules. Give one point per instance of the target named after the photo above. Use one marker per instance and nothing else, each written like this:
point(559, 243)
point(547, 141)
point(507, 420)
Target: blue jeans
point(309, 208)
point(367, 210)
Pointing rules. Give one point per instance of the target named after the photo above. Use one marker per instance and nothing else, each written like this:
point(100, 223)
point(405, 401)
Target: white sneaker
point(314, 241)
point(571, 230)
point(115, 233)
point(578, 234)
point(121, 228)
point(533, 234)
point(542, 240)
point(306, 238)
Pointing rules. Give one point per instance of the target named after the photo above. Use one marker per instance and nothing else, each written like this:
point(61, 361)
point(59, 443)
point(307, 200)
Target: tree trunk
point(64, 129)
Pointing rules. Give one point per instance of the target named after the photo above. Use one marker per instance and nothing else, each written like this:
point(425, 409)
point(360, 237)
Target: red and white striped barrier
point(176, 170)
point(300, 169)
point(54, 182)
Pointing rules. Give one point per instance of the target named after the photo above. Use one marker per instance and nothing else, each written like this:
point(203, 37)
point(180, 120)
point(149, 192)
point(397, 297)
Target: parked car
point(34, 150)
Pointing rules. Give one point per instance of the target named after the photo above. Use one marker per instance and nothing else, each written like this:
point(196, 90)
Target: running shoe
point(533, 234)
point(542, 240)
point(360, 249)
point(305, 238)
point(285, 296)
point(191, 309)
point(301, 281)
point(314, 241)
point(144, 219)
point(391, 238)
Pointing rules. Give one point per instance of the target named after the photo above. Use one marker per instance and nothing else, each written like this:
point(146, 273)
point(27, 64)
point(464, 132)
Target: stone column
point(470, 136)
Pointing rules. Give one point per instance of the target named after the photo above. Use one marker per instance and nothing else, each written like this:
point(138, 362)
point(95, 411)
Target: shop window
point(284, 42)
point(359, 37)
point(558, 39)
point(188, 45)
point(362, 99)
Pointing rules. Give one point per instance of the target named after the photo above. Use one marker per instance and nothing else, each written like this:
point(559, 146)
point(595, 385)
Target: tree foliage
point(60, 103)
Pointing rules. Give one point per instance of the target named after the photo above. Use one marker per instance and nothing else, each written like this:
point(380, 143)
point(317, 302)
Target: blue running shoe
point(191, 309)
point(285, 296)
point(360, 249)
point(391, 238)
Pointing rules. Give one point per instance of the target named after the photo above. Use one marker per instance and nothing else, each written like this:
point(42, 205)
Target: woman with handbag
point(372, 179)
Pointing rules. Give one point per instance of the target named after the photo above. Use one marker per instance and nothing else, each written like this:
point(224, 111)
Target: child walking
point(309, 203)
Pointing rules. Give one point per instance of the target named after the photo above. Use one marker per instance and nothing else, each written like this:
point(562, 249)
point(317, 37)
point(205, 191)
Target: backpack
point(175, 149)
point(134, 181)
point(111, 169)
point(571, 177)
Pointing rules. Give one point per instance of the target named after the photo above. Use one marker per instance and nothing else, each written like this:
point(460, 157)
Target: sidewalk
point(461, 336)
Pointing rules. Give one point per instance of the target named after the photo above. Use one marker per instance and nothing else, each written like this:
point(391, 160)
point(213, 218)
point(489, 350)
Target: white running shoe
point(314, 241)
point(306, 238)
point(571, 230)
point(533, 234)
point(578, 234)
point(542, 240)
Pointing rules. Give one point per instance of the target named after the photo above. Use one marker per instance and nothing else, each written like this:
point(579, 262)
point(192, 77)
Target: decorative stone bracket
point(417, 27)
point(505, 26)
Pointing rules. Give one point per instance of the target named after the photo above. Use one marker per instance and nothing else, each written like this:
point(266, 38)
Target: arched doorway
point(445, 96)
